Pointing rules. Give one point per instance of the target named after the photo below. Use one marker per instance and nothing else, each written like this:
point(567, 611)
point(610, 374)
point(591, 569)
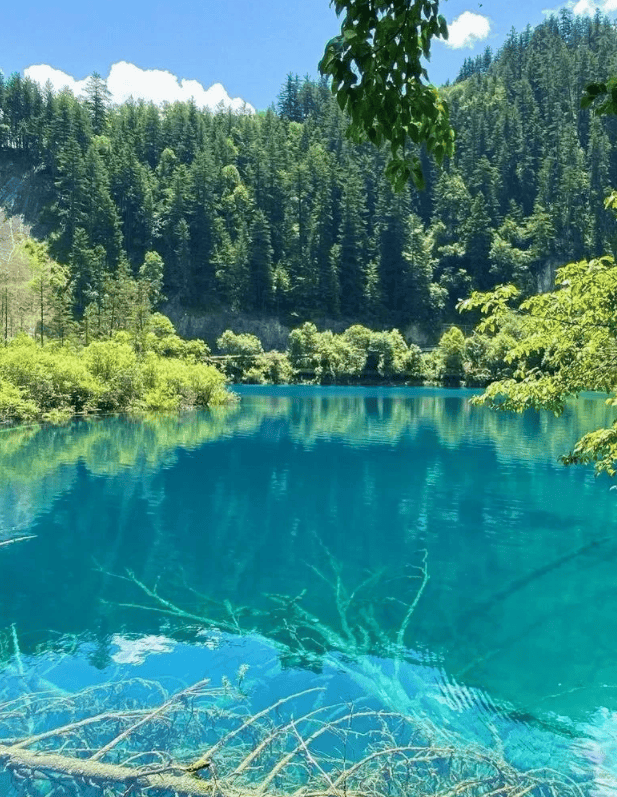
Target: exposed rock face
point(210, 325)
point(23, 193)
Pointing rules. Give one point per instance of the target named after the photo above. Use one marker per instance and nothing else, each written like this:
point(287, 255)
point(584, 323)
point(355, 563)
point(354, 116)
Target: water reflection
point(403, 543)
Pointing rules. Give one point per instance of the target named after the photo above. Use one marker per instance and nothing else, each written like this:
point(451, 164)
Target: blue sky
point(248, 46)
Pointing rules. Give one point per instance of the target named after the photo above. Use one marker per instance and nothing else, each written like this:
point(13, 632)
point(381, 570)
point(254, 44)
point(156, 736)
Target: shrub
point(173, 384)
point(13, 406)
point(450, 356)
point(359, 338)
point(303, 347)
point(486, 356)
point(271, 367)
point(57, 381)
point(277, 368)
point(115, 364)
point(430, 367)
point(414, 365)
point(242, 349)
point(389, 352)
point(160, 337)
point(54, 377)
point(330, 357)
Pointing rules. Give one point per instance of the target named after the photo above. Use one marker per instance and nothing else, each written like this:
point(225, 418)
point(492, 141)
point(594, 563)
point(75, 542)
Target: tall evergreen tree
point(98, 99)
point(260, 263)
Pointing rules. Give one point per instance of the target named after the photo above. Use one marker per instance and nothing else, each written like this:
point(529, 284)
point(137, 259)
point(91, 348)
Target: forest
point(279, 215)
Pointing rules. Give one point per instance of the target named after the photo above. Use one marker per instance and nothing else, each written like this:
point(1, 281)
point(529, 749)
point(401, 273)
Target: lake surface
point(396, 547)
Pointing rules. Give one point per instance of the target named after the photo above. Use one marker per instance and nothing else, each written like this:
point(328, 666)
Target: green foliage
point(271, 367)
point(151, 274)
point(13, 406)
point(390, 353)
point(325, 357)
point(242, 351)
point(276, 368)
point(284, 214)
point(115, 364)
point(172, 384)
point(566, 344)
point(414, 366)
point(602, 97)
point(53, 377)
point(303, 347)
point(376, 66)
point(337, 359)
point(160, 337)
point(56, 381)
point(358, 337)
point(449, 357)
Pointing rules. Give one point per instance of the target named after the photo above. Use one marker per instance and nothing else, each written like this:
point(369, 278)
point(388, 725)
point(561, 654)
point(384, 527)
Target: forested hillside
point(278, 214)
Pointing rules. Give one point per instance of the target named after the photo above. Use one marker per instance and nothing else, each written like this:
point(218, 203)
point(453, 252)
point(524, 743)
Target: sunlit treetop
point(378, 77)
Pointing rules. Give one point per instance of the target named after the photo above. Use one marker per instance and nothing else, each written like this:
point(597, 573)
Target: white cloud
point(467, 29)
point(582, 7)
point(41, 73)
point(157, 85)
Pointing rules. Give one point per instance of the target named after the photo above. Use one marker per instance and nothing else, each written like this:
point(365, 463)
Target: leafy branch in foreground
point(567, 345)
point(602, 97)
point(378, 78)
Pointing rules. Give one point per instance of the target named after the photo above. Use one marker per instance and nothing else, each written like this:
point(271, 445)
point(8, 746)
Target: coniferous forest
point(278, 214)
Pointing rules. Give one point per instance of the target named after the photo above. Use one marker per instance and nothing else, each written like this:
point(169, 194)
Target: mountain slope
point(278, 215)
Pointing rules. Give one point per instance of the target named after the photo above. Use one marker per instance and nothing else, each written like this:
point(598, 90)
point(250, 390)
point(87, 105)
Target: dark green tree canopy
point(281, 213)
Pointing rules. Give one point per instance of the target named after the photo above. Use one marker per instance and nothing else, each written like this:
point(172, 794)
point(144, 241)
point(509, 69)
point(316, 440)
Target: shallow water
point(396, 546)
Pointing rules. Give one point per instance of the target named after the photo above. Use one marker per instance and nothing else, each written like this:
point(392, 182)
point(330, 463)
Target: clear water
point(394, 546)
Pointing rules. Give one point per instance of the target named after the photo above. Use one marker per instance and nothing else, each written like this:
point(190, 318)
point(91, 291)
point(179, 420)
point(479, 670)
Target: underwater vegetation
point(142, 737)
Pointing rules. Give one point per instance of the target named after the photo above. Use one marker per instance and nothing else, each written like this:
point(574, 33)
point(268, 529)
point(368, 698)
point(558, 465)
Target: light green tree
point(567, 344)
point(41, 268)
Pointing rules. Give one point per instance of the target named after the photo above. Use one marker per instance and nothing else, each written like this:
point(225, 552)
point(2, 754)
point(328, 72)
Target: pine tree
point(353, 245)
point(392, 213)
point(417, 285)
point(289, 106)
point(101, 220)
point(69, 207)
point(260, 264)
point(98, 99)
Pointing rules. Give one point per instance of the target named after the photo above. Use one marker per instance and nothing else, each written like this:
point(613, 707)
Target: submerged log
point(173, 779)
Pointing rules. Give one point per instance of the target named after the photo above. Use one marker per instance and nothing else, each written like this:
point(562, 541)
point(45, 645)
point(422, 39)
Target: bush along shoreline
point(363, 356)
point(151, 370)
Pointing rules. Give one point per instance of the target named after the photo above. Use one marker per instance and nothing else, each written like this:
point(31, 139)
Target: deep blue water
point(295, 532)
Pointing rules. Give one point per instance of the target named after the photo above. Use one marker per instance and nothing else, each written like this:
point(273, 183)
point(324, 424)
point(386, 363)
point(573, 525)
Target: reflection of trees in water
point(209, 527)
point(239, 524)
point(107, 446)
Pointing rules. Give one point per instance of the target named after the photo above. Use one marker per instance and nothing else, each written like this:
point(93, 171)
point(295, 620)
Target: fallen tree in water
point(135, 738)
point(203, 740)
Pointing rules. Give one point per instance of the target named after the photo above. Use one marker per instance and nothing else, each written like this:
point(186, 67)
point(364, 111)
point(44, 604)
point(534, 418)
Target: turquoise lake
point(397, 547)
